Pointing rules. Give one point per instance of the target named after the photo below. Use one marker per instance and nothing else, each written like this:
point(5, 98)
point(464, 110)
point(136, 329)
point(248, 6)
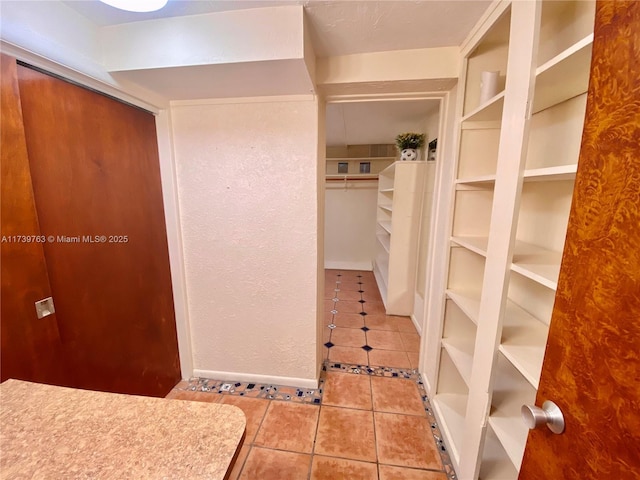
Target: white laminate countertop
point(51, 432)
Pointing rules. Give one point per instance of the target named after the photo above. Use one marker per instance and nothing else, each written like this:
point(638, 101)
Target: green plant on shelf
point(410, 140)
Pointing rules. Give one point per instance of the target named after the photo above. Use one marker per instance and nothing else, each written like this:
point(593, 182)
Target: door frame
point(439, 208)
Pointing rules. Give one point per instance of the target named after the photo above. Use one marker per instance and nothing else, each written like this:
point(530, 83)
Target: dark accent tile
point(365, 329)
point(328, 344)
point(367, 348)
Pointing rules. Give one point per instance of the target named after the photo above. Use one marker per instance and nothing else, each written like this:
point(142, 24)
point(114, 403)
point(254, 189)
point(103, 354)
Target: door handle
point(549, 415)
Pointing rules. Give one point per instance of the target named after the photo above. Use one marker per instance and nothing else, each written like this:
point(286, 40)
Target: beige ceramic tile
point(389, 358)
point(347, 390)
point(381, 322)
point(349, 294)
point(405, 440)
point(353, 355)
point(346, 433)
point(349, 320)
point(405, 325)
point(288, 426)
point(331, 468)
point(348, 337)
point(398, 473)
point(348, 306)
point(414, 358)
point(267, 464)
point(411, 342)
point(373, 308)
point(384, 340)
point(396, 395)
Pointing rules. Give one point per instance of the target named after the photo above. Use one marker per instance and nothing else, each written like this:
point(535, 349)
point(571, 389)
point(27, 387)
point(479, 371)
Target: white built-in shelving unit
point(515, 168)
point(400, 189)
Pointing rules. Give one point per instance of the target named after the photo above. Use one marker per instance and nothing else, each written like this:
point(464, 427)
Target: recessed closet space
point(377, 208)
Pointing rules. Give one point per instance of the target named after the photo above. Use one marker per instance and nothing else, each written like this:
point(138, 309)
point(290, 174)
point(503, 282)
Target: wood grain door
point(31, 347)
point(592, 362)
point(96, 182)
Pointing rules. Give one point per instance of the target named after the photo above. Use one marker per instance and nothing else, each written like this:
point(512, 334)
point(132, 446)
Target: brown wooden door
point(31, 347)
point(592, 362)
point(93, 164)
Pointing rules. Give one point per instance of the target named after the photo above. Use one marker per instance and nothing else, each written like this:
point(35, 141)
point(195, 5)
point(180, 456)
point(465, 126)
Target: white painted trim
point(338, 265)
point(418, 306)
point(385, 97)
point(127, 93)
point(427, 385)
point(174, 240)
point(234, 100)
point(255, 378)
point(441, 222)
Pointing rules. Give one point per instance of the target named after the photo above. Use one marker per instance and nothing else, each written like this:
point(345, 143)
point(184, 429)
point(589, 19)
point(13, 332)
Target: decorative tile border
point(254, 390)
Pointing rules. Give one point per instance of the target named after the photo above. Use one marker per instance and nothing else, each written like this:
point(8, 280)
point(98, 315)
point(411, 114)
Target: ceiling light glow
point(137, 5)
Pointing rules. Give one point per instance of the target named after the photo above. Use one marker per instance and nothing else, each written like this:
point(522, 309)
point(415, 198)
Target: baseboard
point(256, 378)
point(340, 265)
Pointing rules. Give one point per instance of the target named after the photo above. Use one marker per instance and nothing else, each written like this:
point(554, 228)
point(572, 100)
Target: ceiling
point(340, 27)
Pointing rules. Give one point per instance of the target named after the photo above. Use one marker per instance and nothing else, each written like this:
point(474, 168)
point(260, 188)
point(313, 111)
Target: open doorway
point(360, 143)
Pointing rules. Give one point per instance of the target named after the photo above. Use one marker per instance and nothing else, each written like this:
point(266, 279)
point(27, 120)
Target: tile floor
point(369, 418)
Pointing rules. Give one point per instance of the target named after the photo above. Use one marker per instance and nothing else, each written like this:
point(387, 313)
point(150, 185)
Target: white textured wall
point(247, 187)
point(350, 225)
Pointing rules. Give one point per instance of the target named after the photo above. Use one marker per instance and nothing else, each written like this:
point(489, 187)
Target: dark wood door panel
point(592, 362)
point(95, 170)
point(31, 347)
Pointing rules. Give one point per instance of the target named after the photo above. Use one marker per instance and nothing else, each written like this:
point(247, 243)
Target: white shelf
point(537, 263)
point(470, 306)
point(564, 76)
point(496, 464)
point(559, 173)
point(475, 244)
point(398, 214)
point(524, 340)
point(490, 111)
point(386, 225)
point(385, 241)
point(480, 179)
point(381, 280)
point(510, 392)
point(450, 409)
point(390, 171)
point(460, 351)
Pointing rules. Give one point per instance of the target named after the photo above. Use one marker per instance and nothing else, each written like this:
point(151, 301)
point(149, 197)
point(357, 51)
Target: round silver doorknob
point(549, 415)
